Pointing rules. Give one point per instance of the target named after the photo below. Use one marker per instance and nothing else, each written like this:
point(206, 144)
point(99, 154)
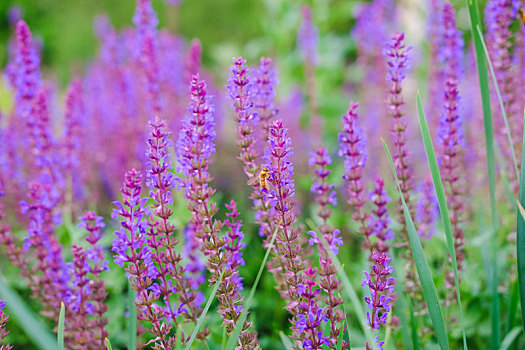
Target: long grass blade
point(339, 345)
point(60, 330)
point(108, 344)
point(348, 289)
point(132, 329)
point(286, 341)
point(204, 312)
point(425, 277)
point(442, 201)
point(473, 10)
point(500, 99)
point(520, 232)
point(232, 343)
point(510, 338)
point(33, 327)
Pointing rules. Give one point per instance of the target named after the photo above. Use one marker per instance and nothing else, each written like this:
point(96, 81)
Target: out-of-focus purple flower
point(427, 210)
point(193, 59)
point(381, 286)
point(28, 80)
point(264, 93)
point(435, 80)
point(195, 266)
point(308, 37)
point(14, 14)
point(498, 20)
point(380, 221)
point(240, 89)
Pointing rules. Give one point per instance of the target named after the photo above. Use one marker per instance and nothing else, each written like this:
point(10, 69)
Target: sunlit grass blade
point(520, 232)
point(286, 341)
point(60, 330)
point(204, 312)
point(473, 10)
point(500, 99)
point(510, 338)
point(132, 329)
point(232, 342)
point(33, 327)
point(339, 345)
point(108, 344)
point(443, 208)
point(420, 260)
point(348, 289)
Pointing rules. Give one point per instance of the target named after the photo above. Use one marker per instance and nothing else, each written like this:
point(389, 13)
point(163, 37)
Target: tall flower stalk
point(194, 150)
point(451, 134)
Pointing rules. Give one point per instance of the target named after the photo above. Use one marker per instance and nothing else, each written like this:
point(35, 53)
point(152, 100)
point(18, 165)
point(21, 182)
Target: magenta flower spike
point(381, 286)
point(352, 143)
point(3, 330)
point(263, 95)
point(329, 282)
point(134, 254)
point(380, 221)
point(194, 150)
point(397, 54)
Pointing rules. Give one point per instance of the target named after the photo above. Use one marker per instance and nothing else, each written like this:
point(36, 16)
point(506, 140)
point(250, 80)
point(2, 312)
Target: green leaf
point(34, 327)
point(108, 344)
point(286, 341)
point(348, 289)
point(425, 277)
point(132, 329)
point(60, 330)
point(473, 10)
point(520, 231)
point(339, 345)
point(232, 343)
point(510, 338)
point(204, 312)
point(413, 326)
point(443, 208)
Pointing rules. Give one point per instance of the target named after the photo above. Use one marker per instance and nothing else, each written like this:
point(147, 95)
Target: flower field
point(350, 179)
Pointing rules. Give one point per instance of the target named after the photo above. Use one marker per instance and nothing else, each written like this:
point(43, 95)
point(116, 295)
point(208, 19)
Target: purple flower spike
point(3, 330)
point(427, 210)
point(352, 143)
point(380, 221)
point(381, 286)
point(264, 93)
point(28, 80)
point(398, 63)
point(308, 37)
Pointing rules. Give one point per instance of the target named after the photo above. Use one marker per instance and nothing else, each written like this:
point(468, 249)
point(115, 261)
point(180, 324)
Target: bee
point(261, 179)
point(522, 14)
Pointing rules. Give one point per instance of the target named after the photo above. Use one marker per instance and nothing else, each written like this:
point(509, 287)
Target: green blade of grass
point(339, 345)
point(60, 330)
point(204, 312)
point(500, 100)
point(34, 328)
point(108, 344)
point(132, 329)
point(520, 232)
point(423, 271)
point(510, 338)
point(473, 10)
point(443, 208)
point(232, 342)
point(287, 343)
point(413, 326)
point(348, 289)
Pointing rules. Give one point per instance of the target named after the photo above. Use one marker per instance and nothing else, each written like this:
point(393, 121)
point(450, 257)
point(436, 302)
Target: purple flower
point(264, 82)
point(380, 221)
point(427, 210)
point(308, 37)
point(3, 331)
point(381, 287)
point(352, 143)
